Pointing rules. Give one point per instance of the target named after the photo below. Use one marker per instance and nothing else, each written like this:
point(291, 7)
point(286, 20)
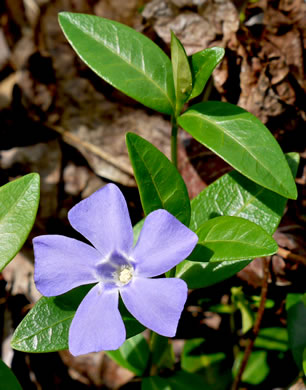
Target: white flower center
point(125, 274)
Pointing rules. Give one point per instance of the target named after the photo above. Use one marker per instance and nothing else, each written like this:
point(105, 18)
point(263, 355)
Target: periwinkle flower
point(63, 263)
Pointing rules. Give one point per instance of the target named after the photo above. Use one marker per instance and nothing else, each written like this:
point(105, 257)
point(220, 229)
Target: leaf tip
point(129, 137)
point(293, 193)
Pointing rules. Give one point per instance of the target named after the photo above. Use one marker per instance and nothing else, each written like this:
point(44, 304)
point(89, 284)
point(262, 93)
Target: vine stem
point(256, 328)
point(174, 141)
point(174, 130)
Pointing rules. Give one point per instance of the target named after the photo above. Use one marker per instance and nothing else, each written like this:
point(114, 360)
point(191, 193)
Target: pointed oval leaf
point(133, 354)
point(160, 184)
point(203, 64)
point(232, 194)
point(19, 201)
point(235, 195)
point(45, 328)
point(181, 72)
point(243, 141)
point(123, 57)
point(231, 238)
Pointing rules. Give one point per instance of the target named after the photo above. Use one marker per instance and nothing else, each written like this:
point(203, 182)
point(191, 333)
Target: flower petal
point(63, 263)
point(103, 218)
point(97, 324)
point(156, 303)
point(163, 243)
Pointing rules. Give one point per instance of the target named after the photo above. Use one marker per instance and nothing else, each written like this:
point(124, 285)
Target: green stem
point(174, 141)
point(171, 273)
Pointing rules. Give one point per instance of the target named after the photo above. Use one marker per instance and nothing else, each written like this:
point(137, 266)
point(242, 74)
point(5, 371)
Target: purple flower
point(63, 263)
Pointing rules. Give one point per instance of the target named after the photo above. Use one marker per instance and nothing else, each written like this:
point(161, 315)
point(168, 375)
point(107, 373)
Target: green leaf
point(155, 383)
point(274, 339)
point(137, 229)
point(133, 354)
point(162, 351)
point(160, 184)
point(202, 65)
point(199, 275)
point(296, 324)
point(304, 361)
point(232, 194)
point(243, 141)
point(257, 368)
point(181, 73)
point(19, 201)
point(194, 357)
point(235, 195)
point(123, 57)
point(231, 238)
point(8, 381)
point(256, 302)
point(45, 328)
point(181, 380)
point(243, 305)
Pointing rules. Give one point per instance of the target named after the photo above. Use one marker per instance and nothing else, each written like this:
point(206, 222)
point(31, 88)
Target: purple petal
point(156, 303)
point(97, 324)
point(62, 263)
point(163, 243)
point(103, 218)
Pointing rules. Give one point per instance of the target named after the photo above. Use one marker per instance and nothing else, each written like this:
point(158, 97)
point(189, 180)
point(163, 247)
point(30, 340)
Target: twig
point(256, 328)
point(291, 256)
point(74, 139)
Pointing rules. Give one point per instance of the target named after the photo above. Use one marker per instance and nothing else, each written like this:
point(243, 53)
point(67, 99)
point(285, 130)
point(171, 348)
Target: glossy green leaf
point(45, 328)
point(181, 73)
point(296, 325)
point(202, 65)
point(274, 339)
point(123, 57)
point(232, 194)
point(231, 238)
point(198, 274)
point(235, 195)
point(304, 361)
point(19, 201)
point(133, 354)
point(160, 184)
point(8, 380)
point(257, 368)
point(181, 380)
point(243, 141)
